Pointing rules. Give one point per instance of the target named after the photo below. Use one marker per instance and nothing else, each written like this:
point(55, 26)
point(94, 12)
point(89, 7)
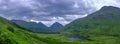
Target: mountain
point(36, 27)
point(102, 26)
point(39, 27)
point(56, 27)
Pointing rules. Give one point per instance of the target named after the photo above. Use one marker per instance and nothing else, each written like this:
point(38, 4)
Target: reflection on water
point(75, 38)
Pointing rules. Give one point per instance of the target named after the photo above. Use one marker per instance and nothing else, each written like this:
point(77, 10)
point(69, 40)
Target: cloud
point(100, 3)
point(50, 11)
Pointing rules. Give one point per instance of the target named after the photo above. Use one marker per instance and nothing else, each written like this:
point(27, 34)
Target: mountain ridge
point(39, 27)
point(99, 23)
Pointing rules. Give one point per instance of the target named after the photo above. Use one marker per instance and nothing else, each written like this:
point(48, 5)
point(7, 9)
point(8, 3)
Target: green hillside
point(13, 34)
point(102, 26)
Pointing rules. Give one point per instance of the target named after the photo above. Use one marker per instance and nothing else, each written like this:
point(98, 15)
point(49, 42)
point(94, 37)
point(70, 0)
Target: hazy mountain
point(56, 27)
point(39, 27)
point(36, 27)
point(103, 24)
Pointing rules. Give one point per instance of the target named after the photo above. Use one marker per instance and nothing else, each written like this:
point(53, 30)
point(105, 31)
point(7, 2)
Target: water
point(75, 38)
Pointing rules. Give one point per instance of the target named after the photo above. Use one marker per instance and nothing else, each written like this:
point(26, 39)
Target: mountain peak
point(109, 8)
point(40, 23)
point(56, 25)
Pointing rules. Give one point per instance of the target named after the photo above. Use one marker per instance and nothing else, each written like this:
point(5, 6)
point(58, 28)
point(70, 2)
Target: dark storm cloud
point(62, 11)
point(62, 7)
point(53, 7)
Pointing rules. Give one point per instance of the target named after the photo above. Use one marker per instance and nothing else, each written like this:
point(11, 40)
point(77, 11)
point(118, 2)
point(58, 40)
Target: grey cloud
point(44, 10)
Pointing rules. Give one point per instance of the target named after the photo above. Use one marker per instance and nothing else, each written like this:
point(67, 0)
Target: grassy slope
point(102, 27)
point(13, 34)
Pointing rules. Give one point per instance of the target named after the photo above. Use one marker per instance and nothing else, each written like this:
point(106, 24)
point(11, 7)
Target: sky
point(50, 11)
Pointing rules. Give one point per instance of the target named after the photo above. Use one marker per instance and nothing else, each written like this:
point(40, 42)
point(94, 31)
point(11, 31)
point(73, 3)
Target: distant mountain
point(56, 27)
point(38, 27)
point(100, 25)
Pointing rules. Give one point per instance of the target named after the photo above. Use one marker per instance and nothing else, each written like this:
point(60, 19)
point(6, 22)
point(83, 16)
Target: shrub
point(10, 29)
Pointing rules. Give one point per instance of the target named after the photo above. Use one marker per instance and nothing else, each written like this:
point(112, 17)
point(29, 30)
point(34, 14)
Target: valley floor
point(59, 39)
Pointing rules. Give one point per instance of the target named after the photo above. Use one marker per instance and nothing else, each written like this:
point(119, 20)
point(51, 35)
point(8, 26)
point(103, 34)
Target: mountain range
point(100, 27)
point(39, 27)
